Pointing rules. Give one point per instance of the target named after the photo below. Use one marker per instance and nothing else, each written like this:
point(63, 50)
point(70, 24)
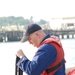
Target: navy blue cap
point(30, 29)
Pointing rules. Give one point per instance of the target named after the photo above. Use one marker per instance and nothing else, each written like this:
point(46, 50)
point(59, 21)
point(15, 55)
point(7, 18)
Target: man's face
point(34, 39)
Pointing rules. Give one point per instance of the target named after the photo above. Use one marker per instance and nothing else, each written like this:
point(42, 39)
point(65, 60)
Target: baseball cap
point(29, 30)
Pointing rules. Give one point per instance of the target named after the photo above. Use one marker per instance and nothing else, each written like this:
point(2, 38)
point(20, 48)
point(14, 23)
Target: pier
point(17, 35)
point(65, 34)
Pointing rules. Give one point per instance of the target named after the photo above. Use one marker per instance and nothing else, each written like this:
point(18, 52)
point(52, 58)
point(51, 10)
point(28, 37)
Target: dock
point(17, 35)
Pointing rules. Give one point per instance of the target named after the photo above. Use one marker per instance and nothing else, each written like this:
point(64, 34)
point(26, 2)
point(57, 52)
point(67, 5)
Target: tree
point(42, 22)
point(31, 19)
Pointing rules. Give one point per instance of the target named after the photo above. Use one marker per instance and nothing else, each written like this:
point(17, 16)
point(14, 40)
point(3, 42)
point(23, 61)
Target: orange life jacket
point(53, 40)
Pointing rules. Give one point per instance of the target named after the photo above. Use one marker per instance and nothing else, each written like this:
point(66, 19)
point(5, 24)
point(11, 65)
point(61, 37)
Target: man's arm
point(44, 57)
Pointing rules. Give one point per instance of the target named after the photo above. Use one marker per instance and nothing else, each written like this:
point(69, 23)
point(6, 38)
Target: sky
point(39, 9)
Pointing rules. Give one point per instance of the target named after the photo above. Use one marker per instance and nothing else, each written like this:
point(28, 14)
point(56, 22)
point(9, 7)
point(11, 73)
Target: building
point(62, 23)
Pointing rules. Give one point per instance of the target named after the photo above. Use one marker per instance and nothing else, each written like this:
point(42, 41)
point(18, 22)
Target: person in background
point(49, 58)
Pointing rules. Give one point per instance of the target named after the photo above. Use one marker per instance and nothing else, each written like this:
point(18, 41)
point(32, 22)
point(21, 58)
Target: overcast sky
point(39, 9)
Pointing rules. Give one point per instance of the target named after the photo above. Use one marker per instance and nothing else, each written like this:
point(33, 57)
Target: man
point(48, 60)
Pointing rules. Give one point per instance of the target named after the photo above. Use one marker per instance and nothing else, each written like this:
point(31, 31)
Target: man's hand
point(20, 53)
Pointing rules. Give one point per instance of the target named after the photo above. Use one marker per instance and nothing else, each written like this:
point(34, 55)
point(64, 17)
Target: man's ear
point(38, 35)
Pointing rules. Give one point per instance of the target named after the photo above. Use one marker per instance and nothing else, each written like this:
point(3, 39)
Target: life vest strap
point(56, 67)
point(18, 71)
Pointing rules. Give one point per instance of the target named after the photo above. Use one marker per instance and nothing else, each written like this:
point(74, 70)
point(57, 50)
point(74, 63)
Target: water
point(8, 53)
point(69, 49)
